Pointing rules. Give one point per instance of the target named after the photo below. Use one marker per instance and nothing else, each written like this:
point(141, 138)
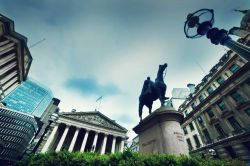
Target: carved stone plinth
point(161, 132)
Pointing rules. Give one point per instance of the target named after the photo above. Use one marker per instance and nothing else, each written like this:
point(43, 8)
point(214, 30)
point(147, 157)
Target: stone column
point(208, 127)
point(243, 92)
point(50, 139)
point(94, 142)
point(72, 144)
point(199, 129)
point(231, 102)
point(59, 146)
point(104, 144)
point(246, 90)
point(122, 145)
point(84, 141)
point(228, 106)
point(113, 145)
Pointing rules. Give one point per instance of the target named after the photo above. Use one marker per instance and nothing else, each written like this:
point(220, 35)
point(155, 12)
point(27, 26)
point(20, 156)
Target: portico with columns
point(84, 132)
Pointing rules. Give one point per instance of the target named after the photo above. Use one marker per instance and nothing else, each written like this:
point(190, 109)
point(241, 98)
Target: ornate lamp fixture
point(201, 22)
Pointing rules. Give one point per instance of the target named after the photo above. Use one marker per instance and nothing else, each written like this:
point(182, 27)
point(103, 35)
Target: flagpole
point(99, 99)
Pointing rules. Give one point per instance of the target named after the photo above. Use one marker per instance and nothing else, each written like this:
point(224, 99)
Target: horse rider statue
point(152, 91)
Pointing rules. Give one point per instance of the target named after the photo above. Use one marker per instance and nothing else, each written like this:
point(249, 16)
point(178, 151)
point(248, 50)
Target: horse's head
point(163, 67)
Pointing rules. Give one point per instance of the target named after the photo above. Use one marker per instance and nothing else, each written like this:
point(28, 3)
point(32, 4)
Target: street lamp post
point(217, 36)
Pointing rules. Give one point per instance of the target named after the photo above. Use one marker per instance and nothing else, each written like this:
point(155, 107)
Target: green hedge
point(127, 158)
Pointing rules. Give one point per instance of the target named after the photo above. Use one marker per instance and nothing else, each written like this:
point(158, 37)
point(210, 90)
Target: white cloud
point(118, 42)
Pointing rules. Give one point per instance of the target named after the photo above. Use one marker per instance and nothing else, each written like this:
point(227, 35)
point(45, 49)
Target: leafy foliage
point(127, 158)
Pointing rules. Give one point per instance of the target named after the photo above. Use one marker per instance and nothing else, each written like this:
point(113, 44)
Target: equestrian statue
point(152, 91)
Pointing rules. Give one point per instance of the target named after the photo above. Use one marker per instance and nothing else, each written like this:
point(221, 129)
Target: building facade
point(16, 131)
point(84, 132)
point(135, 144)
point(217, 114)
point(15, 58)
point(29, 97)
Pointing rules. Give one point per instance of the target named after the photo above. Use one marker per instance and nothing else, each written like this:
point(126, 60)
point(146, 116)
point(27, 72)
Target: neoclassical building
point(84, 132)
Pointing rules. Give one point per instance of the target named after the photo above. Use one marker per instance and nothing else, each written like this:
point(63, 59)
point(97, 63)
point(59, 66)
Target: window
point(210, 113)
point(237, 97)
point(220, 131)
point(196, 140)
point(190, 147)
point(185, 130)
point(226, 75)
point(247, 111)
point(221, 105)
point(231, 151)
point(220, 80)
point(186, 113)
point(248, 81)
point(201, 98)
point(210, 90)
point(234, 123)
point(247, 145)
point(234, 68)
point(199, 119)
point(207, 136)
point(191, 126)
point(193, 105)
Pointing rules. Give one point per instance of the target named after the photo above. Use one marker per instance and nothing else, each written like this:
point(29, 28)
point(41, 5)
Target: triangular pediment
point(95, 118)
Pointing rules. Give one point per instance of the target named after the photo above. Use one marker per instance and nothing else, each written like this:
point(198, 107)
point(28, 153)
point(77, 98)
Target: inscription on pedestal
point(179, 136)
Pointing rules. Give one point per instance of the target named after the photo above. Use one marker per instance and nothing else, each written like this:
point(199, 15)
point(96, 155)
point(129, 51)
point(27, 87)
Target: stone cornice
point(224, 141)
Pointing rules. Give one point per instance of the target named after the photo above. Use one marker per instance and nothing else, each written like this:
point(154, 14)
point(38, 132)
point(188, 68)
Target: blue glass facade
point(29, 97)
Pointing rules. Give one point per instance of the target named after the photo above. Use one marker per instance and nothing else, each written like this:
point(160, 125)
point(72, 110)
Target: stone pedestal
point(161, 132)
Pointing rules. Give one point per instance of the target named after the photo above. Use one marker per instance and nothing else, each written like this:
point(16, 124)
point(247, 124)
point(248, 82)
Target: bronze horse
point(152, 91)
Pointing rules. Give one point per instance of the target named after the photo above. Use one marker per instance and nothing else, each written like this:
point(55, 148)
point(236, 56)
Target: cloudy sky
point(107, 48)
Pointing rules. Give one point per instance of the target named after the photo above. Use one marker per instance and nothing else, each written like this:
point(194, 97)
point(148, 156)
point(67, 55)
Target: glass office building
point(29, 97)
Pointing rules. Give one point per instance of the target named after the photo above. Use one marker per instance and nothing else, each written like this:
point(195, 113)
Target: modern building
point(217, 114)
point(30, 97)
point(84, 132)
point(15, 58)
point(16, 131)
point(50, 115)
